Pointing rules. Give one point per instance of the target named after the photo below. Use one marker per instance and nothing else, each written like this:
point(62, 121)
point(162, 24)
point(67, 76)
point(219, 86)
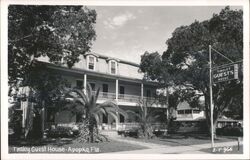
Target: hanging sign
point(225, 73)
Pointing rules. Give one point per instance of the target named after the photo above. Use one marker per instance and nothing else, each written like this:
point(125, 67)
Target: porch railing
point(106, 95)
point(124, 97)
point(128, 98)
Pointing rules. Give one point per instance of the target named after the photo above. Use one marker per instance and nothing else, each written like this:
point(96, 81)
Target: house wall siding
point(102, 66)
point(129, 71)
point(82, 64)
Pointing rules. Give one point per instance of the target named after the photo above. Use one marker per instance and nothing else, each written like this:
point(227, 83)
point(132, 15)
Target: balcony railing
point(106, 95)
point(124, 97)
point(128, 98)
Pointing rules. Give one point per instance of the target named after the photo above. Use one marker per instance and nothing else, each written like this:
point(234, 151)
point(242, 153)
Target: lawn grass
point(73, 146)
point(183, 140)
point(224, 150)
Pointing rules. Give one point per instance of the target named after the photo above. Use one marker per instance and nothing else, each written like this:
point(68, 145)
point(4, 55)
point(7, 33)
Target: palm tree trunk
point(91, 134)
point(91, 129)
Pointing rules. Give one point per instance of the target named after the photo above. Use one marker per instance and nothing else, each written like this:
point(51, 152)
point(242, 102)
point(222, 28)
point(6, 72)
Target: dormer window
point(91, 61)
point(91, 64)
point(113, 67)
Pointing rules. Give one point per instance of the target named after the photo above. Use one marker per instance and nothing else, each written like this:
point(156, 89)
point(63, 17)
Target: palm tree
point(146, 116)
point(84, 105)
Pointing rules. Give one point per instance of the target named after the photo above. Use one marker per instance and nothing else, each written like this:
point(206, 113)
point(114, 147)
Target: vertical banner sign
point(225, 73)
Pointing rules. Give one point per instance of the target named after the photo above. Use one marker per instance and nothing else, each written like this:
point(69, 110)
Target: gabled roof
point(94, 73)
point(93, 54)
point(183, 105)
point(117, 59)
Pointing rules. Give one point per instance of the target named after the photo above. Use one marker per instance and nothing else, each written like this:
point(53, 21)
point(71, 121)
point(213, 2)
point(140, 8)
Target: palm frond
point(92, 103)
point(133, 113)
point(89, 91)
point(78, 92)
point(97, 118)
point(152, 118)
point(76, 100)
point(157, 112)
point(113, 115)
point(122, 112)
point(112, 106)
point(97, 94)
point(98, 109)
point(109, 103)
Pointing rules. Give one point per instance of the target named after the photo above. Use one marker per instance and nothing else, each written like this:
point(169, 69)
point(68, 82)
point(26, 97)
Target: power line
point(222, 54)
point(228, 64)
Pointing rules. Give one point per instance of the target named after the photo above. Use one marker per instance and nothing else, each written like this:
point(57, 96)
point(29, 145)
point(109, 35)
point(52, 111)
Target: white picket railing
point(124, 97)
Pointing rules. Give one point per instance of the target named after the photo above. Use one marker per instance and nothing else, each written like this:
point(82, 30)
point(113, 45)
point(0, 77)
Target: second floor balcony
point(128, 99)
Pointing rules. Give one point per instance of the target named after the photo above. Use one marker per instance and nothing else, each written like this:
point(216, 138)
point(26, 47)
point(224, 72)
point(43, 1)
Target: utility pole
point(211, 86)
point(211, 96)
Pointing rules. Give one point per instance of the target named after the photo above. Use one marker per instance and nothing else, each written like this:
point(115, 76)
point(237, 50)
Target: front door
point(122, 92)
point(105, 89)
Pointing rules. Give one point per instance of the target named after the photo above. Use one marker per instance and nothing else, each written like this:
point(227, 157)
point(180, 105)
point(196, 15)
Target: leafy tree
point(190, 43)
point(171, 100)
point(45, 89)
point(85, 106)
point(48, 86)
point(186, 60)
point(58, 32)
point(155, 68)
point(146, 115)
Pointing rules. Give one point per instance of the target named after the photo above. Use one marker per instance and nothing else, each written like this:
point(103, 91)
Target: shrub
point(133, 132)
point(230, 131)
point(15, 123)
point(159, 132)
point(62, 131)
point(174, 127)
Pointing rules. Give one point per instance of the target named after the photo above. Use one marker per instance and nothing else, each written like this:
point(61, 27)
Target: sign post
point(219, 74)
point(211, 96)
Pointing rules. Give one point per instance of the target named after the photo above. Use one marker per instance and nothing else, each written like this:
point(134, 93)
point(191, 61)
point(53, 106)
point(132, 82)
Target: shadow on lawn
point(42, 142)
point(186, 139)
point(197, 136)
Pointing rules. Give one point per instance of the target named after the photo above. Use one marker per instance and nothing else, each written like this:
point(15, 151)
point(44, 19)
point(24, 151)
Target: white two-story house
point(118, 80)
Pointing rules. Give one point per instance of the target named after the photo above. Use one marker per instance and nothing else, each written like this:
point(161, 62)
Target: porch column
point(116, 99)
point(116, 89)
point(85, 83)
point(43, 119)
point(24, 105)
point(141, 90)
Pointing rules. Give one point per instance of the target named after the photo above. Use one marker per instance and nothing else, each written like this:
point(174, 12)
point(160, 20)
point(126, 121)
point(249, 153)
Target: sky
point(127, 32)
